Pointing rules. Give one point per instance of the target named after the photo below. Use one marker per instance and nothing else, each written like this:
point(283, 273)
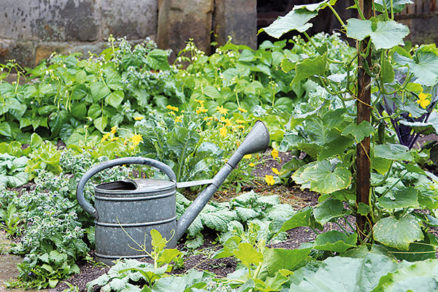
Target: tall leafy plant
point(400, 103)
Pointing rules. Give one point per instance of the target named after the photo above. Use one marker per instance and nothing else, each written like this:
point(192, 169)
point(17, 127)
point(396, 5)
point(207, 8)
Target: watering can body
point(126, 211)
point(129, 210)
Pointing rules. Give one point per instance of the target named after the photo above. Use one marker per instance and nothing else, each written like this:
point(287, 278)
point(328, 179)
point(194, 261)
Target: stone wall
point(30, 30)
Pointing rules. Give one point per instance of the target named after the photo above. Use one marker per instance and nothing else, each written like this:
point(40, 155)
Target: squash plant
point(402, 95)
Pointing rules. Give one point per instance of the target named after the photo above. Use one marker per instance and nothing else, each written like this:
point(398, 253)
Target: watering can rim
point(142, 186)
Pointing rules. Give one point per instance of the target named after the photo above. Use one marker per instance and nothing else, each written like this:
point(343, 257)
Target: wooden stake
point(363, 114)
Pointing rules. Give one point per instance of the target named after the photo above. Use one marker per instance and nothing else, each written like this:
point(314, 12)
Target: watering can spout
point(257, 140)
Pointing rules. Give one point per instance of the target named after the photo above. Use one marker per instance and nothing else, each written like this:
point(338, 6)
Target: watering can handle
point(111, 163)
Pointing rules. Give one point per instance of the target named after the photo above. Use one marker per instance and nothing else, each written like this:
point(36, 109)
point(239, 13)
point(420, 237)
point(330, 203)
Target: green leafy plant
point(401, 106)
point(10, 220)
point(12, 172)
point(249, 208)
point(124, 272)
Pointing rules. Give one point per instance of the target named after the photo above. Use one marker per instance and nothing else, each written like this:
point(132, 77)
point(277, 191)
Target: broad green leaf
point(94, 111)
point(397, 5)
point(363, 209)
point(101, 123)
point(398, 233)
point(17, 179)
point(385, 35)
point(402, 198)
point(287, 65)
point(46, 110)
point(419, 276)
point(79, 110)
point(275, 259)
point(212, 92)
point(386, 71)
point(393, 152)
point(168, 255)
point(157, 241)
point(328, 210)
point(301, 218)
point(16, 108)
point(5, 129)
point(324, 178)
point(158, 59)
point(246, 213)
point(248, 254)
point(424, 66)
point(115, 98)
point(359, 132)
point(218, 220)
point(35, 141)
point(118, 284)
point(99, 91)
point(79, 92)
point(315, 6)
point(297, 19)
point(381, 165)
point(310, 67)
point(342, 274)
point(294, 20)
point(417, 252)
point(335, 241)
point(57, 121)
point(320, 131)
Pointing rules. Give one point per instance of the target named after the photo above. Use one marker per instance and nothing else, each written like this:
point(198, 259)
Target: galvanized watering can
point(126, 211)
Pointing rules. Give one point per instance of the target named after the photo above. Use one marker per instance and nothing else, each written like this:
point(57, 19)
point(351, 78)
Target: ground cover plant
point(191, 115)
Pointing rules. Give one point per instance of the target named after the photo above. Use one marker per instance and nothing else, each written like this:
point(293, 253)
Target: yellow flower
point(275, 170)
point(247, 156)
point(226, 121)
point(252, 164)
point(223, 131)
point(113, 130)
point(274, 153)
point(423, 100)
point(114, 139)
point(269, 179)
point(222, 110)
point(139, 118)
point(105, 137)
point(178, 119)
point(201, 102)
point(240, 122)
point(240, 127)
point(201, 110)
point(242, 110)
point(172, 108)
point(136, 139)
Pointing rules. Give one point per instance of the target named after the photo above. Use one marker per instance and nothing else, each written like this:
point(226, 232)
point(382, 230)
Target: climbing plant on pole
point(363, 114)
point(391, 90)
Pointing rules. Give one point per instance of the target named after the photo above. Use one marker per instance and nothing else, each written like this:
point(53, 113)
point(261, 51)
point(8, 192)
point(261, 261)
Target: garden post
point(363, 114)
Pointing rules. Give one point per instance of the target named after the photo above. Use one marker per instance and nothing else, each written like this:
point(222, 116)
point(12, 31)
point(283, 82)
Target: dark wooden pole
point(363, 114)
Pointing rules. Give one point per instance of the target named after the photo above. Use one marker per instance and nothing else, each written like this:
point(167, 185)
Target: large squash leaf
point(384, 34)
point(398, 233)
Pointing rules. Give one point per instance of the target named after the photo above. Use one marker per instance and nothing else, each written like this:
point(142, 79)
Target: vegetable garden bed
point(347, 125)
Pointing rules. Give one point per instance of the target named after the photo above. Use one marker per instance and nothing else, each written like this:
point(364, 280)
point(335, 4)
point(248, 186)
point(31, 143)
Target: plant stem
point(359, 10)
point(311, 40)
point(392, 9)
point(337, 15)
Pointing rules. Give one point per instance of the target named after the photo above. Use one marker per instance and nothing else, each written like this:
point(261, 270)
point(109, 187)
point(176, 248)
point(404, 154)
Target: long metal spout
point(257, 140)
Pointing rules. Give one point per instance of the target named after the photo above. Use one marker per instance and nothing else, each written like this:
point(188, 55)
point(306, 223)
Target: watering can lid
point(129, 186)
